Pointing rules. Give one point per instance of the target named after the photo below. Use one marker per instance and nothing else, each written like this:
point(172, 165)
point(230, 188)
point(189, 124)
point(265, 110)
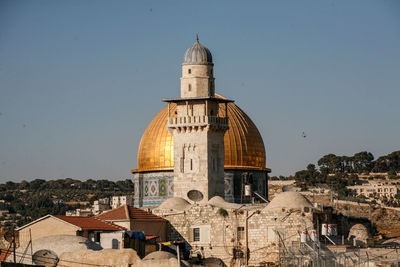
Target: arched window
point(189, 71)
point(190, 87)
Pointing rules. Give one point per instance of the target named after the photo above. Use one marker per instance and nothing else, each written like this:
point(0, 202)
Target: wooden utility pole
point(30, 241)
point(14, 246)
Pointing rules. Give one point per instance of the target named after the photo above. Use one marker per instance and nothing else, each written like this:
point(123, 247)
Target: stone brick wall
point(262, 230)
point(46, 227)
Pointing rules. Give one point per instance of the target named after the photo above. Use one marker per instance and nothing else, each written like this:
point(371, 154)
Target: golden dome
point(244, 147)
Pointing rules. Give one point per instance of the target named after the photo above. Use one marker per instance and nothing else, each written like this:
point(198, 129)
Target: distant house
point(89, 227)
point(117, 201)
point(79, 212)
point(58, 201)
point(379, 188)
point(100, 205)
point(137, 220)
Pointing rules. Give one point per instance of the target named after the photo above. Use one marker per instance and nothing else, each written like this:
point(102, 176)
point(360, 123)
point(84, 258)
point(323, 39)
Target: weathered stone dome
point(219, 202)
point(174, 203)
point(288, 200)
point(359, 232)
point(198, 54)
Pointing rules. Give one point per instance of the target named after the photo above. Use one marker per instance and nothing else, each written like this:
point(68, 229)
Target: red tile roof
point(4, 254)
point(127, 212)
point(119, 213)
point(139, 214)
point(89, 223)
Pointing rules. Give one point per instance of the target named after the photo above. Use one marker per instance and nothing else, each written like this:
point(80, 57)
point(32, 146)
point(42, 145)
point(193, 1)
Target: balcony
point(187, 121)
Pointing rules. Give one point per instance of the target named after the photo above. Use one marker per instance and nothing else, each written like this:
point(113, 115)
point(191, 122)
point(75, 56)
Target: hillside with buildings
point(23, 202)
point(358, 177)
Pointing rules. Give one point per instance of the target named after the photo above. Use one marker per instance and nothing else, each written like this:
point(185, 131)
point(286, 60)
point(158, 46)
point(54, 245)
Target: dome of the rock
point(244, 147)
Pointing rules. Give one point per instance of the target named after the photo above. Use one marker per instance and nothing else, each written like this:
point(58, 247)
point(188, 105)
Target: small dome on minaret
point(198, 54)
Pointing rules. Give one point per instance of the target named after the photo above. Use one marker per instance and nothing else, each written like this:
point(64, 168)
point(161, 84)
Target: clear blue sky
point(80, 80)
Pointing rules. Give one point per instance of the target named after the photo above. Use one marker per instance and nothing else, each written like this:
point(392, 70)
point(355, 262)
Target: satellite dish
point(45, 258)
point(195, 195)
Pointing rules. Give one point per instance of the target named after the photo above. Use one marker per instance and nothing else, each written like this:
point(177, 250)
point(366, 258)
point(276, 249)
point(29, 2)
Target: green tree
point(363, 162)
point(330, 164)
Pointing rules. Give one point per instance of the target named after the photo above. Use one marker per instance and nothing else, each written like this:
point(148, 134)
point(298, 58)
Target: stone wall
point(46, 227)
point(223, 231)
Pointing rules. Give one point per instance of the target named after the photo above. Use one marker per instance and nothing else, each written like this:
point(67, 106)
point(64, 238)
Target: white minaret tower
point(198, 129)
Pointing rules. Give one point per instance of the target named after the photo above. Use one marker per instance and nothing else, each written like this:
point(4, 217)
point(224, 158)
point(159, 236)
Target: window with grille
point(196, 234)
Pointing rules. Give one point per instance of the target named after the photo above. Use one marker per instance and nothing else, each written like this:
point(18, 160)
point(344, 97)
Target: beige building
point(100, 205)
point(218, 229)
point(79, 212)
point(375, 174)
point(117, 201)
point(50, 225)
point(378, 188)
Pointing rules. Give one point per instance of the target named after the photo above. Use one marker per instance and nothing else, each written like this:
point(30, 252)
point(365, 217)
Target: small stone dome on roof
point(174, 203)
point(163, 258)
point(159, 255)
point(359, 231)
point(288, 200)
point(198, 54)
point(105, 257)
point(219, 202)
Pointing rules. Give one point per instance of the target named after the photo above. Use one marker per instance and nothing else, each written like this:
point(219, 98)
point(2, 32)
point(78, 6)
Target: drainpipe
point(177, 252)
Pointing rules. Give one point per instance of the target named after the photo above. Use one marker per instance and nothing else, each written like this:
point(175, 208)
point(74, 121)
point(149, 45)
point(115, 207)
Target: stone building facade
point(223, 230)
point(379, 188)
